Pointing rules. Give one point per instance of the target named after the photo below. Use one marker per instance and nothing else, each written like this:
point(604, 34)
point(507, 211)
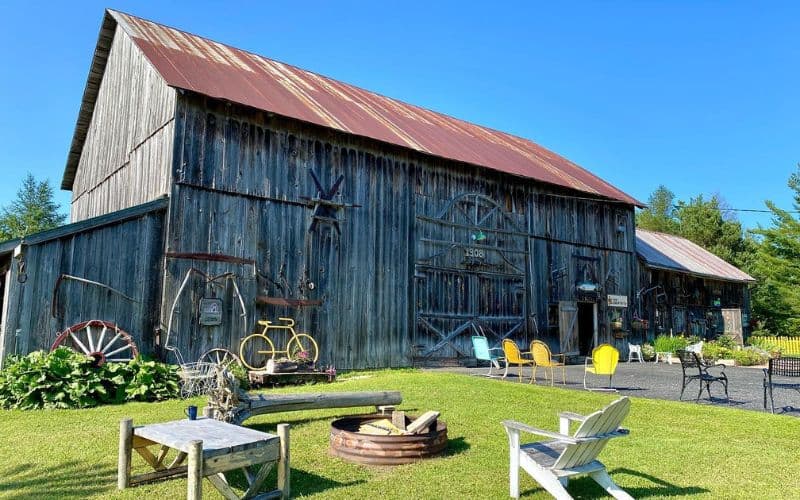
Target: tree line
point(770, 254)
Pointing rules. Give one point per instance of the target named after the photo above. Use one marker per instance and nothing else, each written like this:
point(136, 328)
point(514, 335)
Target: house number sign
point(475, 253)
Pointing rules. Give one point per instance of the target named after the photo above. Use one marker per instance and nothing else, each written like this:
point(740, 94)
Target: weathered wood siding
point(685, 304)
point(568, 239)
point(124, 255)
point(243, 186)
point(240, 185)
point(575, 240)
point(127, 155)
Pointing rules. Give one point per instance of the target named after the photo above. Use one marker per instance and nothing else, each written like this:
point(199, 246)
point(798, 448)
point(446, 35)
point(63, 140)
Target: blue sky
point(700, 96)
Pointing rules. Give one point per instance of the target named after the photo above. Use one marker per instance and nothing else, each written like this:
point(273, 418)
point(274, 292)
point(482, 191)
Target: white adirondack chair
point(551, 463)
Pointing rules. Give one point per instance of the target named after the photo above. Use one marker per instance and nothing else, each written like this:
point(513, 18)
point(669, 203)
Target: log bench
point(230, 404)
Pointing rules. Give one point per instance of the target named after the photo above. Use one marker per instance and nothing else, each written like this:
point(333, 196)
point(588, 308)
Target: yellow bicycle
point(299, 347)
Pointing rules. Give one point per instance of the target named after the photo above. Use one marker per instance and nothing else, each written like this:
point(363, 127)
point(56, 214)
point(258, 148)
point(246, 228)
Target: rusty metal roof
point(667, 251)
point(210, 68)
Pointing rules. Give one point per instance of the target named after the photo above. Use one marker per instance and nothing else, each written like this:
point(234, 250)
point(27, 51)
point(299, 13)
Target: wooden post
point(125, 451)
point(284, 469)
point(195, 486)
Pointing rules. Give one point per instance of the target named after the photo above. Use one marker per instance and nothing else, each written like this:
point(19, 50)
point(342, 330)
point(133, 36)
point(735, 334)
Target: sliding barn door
point(470, 276)
point(568, 326)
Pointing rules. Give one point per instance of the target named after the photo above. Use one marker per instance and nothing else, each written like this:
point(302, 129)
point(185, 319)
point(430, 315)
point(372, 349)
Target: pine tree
point(659, 214)
point(706, 223)
point(776, 266)
point(32, 211)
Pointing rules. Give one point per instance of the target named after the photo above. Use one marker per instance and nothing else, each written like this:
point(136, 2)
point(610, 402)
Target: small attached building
point(388, 231)
point(686, 290)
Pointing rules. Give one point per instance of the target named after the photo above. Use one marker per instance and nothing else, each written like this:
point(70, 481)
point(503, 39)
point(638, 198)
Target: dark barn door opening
point(586, 323)
point(469, 275)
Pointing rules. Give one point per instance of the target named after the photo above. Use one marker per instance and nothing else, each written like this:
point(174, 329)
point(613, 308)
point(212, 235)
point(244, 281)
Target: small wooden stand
point(262, 378)
point(212, 448)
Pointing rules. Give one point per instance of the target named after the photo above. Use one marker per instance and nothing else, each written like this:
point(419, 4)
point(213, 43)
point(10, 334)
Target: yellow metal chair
point(604, 362)
point(515, 357)
point(542, 357)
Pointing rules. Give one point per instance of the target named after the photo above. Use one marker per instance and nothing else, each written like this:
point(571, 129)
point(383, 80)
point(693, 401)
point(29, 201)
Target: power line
point(758, 210)
point(755, 210)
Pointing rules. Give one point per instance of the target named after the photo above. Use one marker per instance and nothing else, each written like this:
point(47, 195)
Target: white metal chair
point(696, 348)
point(551, 463)
point(635, 350)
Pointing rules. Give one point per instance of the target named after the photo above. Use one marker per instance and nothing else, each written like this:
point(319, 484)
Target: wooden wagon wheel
point(102, 340)
point(220, 357)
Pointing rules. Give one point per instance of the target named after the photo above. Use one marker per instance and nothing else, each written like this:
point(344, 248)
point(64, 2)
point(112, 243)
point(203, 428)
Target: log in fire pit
point(350, 444)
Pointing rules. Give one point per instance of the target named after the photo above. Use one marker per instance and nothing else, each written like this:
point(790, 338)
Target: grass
point(674, 449)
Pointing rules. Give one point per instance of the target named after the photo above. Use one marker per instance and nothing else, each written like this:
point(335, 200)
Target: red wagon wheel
point(102, 340)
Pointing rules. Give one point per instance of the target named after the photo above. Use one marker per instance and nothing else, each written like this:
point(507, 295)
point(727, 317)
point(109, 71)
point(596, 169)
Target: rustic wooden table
point(212, 448)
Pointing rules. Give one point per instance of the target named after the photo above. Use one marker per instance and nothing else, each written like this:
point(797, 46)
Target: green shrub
point(64, 378)
point(767, 344)
point(749, 357)
point(726, 341)
point(713, 351)
point(648, 352)
point(150, 381)
point(240, 373)
point(665, 343)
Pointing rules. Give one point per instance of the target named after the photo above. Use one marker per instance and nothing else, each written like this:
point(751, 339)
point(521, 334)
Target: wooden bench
point(230, 404)
point(781, 367)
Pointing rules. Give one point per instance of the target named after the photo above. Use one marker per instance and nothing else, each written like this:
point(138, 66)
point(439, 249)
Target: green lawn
point(674, 449)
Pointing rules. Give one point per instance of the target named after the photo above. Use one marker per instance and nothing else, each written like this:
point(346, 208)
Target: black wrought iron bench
point(690, 362)
point(780, 367)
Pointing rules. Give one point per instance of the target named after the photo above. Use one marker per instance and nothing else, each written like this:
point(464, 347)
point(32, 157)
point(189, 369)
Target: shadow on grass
point(309, 483)
point(659, 488)
point(66, 480)
point(585, 487)
point(302, 482)
point(456, 446)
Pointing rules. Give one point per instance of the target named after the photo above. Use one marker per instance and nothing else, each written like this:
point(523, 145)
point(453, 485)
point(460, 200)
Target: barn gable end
point(122, 150)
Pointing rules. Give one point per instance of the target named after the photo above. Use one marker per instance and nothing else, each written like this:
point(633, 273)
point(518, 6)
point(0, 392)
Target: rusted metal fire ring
point(349, 444)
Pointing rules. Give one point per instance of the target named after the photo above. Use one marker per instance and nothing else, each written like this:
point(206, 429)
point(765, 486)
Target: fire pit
point(351, 445)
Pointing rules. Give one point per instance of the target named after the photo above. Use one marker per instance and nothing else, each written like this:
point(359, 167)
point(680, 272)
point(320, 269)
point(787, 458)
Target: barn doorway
point(587, 327)
point(469, 273)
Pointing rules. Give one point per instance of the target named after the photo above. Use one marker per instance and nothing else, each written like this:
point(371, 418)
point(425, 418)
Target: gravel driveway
point(663, 381)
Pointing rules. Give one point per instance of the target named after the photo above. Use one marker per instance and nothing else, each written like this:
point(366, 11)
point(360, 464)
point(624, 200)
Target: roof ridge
point(193, 62)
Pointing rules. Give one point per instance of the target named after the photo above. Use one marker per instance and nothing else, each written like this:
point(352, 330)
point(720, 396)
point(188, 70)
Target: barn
point(686, 290)
point(212, 188)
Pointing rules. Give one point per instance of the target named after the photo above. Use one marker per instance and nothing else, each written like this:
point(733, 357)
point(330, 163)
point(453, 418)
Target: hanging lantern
point(479, 236)
point(587, 287)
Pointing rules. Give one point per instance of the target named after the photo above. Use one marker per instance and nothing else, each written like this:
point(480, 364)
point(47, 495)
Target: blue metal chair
point(484, 353)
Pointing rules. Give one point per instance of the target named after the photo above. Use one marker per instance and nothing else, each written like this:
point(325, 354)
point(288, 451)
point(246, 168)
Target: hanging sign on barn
point(210, 311)
point(620, 301)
